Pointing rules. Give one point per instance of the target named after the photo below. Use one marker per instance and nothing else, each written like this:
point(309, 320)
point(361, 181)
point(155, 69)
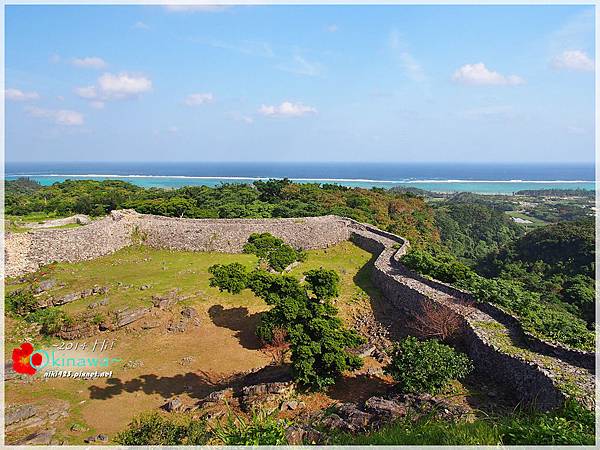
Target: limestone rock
point(356, 418)
point(173, 405)
point(384, 408)
point(68, 298)
point(177, 327)
point(298, 435)
point(100, 290)
point(99, 303)
point(190, 313)
point(131, 315)
point(266, 395)
point(18, 413)
point(45, 285)
point(43, 437)
point(165, 301)
point(334, 422)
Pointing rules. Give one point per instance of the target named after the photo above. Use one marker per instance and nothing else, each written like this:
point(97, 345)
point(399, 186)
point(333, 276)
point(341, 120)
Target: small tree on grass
point(232, 278)
point(273, 250)
point(318, 340)
point(426, 366)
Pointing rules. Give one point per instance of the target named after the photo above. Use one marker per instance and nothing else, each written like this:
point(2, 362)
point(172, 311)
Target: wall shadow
point(391, 317)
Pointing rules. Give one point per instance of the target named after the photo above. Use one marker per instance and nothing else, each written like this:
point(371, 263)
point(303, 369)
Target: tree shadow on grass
point(240, 320)
point(359, 388)
point(195, 384)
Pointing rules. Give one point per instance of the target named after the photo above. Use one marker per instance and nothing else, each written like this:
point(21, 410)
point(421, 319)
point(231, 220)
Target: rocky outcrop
point(128, 316)
point(266, 396)
point(33, 424)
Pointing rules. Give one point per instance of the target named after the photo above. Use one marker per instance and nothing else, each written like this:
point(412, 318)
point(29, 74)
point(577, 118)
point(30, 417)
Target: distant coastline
point(437, 177)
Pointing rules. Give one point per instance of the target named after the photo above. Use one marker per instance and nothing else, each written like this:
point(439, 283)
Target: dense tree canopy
point(472, 230)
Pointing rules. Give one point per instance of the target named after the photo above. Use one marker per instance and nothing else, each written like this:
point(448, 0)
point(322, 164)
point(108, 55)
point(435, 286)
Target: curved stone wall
point(536, 376)
point(538, 379)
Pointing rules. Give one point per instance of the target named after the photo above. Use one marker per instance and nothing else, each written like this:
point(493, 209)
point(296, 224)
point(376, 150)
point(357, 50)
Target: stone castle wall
point(26, 252)
point(532, 382)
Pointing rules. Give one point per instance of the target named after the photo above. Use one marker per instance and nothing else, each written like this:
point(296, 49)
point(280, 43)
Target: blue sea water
point(440, 177)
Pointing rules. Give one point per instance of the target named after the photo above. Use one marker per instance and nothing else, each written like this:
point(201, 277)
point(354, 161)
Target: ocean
point(485, 178)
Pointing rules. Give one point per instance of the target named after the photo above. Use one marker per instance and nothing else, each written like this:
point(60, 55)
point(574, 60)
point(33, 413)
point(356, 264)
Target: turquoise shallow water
point(476, 186)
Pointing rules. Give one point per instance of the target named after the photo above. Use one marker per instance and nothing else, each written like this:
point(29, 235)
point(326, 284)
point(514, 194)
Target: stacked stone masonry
point(537, 373)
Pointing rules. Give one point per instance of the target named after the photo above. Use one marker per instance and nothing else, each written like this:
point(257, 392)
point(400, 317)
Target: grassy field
point(535, 222)
point(18, 224)
point(157, 364)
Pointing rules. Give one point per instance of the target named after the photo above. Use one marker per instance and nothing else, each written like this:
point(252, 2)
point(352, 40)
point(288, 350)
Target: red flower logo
point(21, 359)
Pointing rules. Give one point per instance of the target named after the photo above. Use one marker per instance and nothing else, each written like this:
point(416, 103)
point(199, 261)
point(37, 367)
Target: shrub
point(426, 366)
point(21, 302)
point(98, 319)
point(269, 248)
point(154, 429)
point(50, 319)
point(323, 283)
point(282, 257)
point(232, 278)
point(260, 429)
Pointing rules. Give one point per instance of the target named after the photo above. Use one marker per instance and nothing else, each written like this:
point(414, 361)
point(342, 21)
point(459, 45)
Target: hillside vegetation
point(401, 213)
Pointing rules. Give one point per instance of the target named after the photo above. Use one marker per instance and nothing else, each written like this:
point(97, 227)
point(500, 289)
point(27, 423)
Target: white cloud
point(20, 96)
point(173, 129)
point(89, 62)
point(301, 66)
point(479, 74)
point(86, 92)
point(58, 116)
point(199, 99)
point(123, 85)
point(196, 8)
point(286, 109)
point(332, 28)
point(139, 25)
point(114, 87)
point(573, 60)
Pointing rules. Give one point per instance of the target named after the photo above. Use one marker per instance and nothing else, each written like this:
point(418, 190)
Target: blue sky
point(308, 83)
